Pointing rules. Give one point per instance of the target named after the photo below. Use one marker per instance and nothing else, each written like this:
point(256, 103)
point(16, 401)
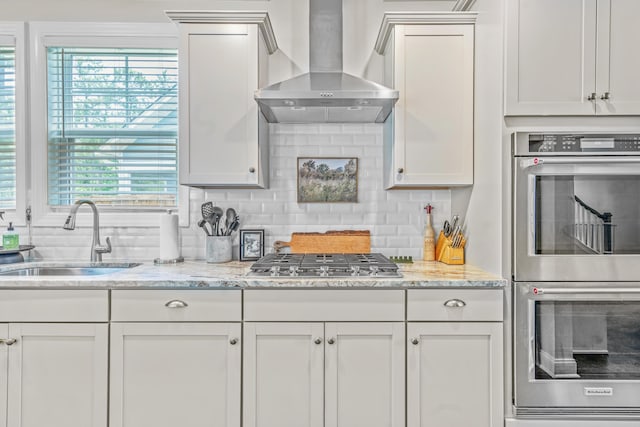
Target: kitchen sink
point(68, 270)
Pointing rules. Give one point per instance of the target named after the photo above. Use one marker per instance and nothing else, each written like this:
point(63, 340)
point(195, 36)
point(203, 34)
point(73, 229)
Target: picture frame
point(251, 244)
point(327, 179)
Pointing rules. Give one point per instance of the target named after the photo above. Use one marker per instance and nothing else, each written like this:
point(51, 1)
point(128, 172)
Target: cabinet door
point(551, 63)
point(618, 58)
point(218, 115)
point(364, 375)
point(4, 334)
point(283, 375)
point(58, 375)
point(433, 118)
point(175, 374)
point(454, 375)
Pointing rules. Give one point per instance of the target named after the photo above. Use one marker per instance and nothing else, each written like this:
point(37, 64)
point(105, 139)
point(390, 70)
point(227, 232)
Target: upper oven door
point(576, 218)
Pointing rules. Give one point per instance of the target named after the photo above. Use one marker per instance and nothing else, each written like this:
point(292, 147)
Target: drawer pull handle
point(233, 341)
point(318, 341)
point(176, 303)
point(415, 341)
point(454, 303)
point(331, 341)
point(10, 341)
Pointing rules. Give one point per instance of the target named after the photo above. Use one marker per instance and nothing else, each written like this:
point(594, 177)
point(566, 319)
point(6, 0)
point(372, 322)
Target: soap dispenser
point(10, 239)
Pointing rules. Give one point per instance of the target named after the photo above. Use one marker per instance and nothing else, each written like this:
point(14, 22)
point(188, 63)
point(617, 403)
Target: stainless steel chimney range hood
point(326, 94)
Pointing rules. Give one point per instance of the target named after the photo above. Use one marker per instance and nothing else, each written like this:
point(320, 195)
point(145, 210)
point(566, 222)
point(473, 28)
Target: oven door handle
point(578, 291)
point(538, 161)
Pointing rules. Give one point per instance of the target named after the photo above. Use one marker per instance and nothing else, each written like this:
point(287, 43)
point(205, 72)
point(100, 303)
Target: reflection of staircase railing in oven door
point(592, 229)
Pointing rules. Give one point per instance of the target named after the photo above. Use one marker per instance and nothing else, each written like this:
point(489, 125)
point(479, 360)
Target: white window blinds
point(7, 128)
point(112, 126)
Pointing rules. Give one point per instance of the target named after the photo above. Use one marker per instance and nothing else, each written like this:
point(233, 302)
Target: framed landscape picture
point(251, 245)
point(327, 180)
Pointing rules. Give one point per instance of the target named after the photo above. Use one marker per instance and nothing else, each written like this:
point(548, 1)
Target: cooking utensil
point(234, 225)
point(207, 210)
point(455, 236)
point(446, 228)
point(454, 222)
point(231, 216)
point(203, 224)
point(217, 214)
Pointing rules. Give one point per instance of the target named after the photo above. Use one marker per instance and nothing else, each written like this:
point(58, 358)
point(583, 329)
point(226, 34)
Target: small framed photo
point(327, 180)
point(251, 245)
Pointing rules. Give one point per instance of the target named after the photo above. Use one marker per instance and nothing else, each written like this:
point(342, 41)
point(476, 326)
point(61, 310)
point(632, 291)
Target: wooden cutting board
point(331, 242)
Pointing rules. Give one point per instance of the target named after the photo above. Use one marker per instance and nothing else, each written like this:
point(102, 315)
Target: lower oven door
point(577, 348)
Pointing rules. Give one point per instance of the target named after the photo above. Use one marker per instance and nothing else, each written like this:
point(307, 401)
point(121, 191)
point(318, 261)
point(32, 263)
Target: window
point(112, 126)
point(7, 127)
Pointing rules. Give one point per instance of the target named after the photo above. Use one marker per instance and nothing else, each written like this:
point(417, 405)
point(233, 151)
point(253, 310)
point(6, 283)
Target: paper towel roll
point(169, 237)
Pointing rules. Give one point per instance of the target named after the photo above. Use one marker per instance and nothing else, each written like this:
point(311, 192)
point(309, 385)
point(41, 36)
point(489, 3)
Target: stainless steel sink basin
point(68, 270)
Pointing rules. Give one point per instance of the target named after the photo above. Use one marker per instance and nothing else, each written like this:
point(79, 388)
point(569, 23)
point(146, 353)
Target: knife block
point(447, 254)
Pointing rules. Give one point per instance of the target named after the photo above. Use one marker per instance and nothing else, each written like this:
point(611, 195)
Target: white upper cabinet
point(572, 57)
point(429, 59)
point(222, 62)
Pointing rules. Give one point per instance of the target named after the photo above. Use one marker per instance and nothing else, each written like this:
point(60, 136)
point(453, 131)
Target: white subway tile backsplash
point(396, 218)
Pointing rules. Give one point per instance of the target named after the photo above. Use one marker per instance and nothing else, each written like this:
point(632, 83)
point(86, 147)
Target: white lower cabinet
point(306, 358)
point(323, 374)
point(56, 374)
point(54, 347)
point(364, 374)
point(175, 374)
point(175, 358)
point(454, 374)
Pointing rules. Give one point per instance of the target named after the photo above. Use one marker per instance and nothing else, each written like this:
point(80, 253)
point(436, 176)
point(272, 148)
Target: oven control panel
point(583, 143)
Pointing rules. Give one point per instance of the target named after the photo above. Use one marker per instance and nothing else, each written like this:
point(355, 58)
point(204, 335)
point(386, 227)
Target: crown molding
point(391, 19)
point(261, 19)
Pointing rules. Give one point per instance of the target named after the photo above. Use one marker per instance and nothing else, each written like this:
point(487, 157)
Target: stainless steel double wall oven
point(576, 271)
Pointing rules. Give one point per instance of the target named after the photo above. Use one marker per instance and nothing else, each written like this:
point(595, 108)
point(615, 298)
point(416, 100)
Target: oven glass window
point(587, 215)
point(587, 340)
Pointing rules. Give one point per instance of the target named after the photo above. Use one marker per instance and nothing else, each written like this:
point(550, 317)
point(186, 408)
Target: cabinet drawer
point(451, 305)
point(313, 305)
point(38, 305)
point(176, 305)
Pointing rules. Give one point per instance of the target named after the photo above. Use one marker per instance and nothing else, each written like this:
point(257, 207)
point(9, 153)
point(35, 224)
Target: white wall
point(481, 205)
point(395, 218)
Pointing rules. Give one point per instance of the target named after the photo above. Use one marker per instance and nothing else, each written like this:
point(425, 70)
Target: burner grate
point(325, 265)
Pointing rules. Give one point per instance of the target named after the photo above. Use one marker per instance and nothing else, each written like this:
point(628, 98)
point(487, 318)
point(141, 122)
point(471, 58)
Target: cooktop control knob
point(324, 271)
point(293, 270)
point(355, 270)
point(373, 270)
point(275, 271)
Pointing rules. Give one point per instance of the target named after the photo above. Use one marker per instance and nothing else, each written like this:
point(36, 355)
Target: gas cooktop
point(324, 265)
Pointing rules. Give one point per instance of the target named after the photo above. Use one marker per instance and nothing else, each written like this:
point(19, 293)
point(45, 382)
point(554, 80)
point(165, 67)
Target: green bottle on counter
point(10, 239)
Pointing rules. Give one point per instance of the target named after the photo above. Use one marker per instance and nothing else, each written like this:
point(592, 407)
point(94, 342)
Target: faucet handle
point(102, 249)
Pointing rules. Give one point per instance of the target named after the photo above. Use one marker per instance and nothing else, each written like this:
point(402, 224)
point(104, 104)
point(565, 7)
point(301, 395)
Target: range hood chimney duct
point(326, 94)
point(325, 36)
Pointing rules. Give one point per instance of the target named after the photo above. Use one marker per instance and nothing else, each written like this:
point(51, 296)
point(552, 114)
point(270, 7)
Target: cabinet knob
point(252, 169)
point(318, 341)
point(400, 170)
point(10, 341)
point(415, 341)
point(176, 303)
point(233, 341)
point(591, 97)
point(331, 341)
point(454, 303)
point(605, 96)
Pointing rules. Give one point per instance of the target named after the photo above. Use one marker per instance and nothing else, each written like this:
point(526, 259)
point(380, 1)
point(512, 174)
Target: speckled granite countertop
point(199, 274)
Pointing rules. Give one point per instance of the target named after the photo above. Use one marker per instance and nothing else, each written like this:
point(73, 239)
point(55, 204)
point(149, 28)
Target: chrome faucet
point(96, 248)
